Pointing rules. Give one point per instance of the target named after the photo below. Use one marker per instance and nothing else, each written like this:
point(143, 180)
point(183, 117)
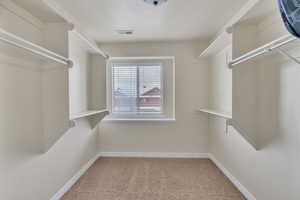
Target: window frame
point(170, 116)
point(138, 114)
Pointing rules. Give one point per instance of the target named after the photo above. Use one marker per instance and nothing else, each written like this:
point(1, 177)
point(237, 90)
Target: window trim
point(109, 62)
point(139, 120)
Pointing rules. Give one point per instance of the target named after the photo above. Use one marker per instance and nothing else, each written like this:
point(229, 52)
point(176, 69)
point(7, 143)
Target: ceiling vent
point(155, 2)
point(125, 32)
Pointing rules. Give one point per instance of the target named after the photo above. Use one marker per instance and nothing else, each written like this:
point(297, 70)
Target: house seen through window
point(137, 89)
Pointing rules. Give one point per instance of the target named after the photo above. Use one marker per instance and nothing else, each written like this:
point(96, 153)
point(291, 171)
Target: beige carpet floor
point(153, 179)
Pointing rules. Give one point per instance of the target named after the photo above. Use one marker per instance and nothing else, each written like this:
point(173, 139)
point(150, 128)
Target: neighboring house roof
point(118, 93)
point(153, 92)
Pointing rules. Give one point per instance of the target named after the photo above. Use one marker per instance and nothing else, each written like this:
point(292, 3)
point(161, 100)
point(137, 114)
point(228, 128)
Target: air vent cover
point(125, 32)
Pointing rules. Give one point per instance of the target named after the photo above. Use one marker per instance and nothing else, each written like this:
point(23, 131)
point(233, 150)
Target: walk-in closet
point(149, 100)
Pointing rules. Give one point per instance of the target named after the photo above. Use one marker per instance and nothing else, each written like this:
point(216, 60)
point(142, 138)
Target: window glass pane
point(149, 89)
point(136, 89)
point(124, 88)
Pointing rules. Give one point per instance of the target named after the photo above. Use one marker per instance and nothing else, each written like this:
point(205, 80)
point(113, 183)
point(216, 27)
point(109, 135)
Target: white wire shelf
point(87, 114)
point(215, 113)
point(222, 41)
point(93, 47)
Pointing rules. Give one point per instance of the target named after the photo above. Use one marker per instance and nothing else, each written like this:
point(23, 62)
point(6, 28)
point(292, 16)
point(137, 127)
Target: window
point(137, 89)
point(141, 89)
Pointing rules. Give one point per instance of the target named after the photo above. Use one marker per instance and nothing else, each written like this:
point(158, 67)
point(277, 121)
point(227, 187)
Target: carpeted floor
point(153, 179)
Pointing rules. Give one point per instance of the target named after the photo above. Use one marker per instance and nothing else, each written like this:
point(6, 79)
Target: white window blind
point(137, 88)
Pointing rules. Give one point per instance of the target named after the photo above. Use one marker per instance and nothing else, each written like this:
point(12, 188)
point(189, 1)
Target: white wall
point(220, 81)
point(189, 133)
point(35, 176)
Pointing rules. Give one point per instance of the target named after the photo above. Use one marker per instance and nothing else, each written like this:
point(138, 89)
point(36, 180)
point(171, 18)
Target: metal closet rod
point(38, 50)
point(265, 49)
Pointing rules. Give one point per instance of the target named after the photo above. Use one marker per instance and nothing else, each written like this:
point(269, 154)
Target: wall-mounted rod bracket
point(228, 123)
point(72, 124)
point(70, 63)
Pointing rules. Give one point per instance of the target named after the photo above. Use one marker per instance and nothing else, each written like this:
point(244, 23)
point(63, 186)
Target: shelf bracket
point(70, 63)
point(228, 123)
point(227, 59)
point(72, 124)
point(281, 51)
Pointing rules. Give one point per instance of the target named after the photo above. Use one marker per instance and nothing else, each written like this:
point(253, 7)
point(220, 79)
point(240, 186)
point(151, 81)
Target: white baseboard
point(234, 180)
point(74, 179)
point(153, 155)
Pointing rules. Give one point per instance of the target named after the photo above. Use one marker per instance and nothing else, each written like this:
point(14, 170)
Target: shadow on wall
point(268, 101)
point(277, 85)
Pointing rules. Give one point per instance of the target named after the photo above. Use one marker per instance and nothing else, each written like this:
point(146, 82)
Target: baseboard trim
point(75, 178)
point(153, 155)
point(234, 180)
point(67, 186)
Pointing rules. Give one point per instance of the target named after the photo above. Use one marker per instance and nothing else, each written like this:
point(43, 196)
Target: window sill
point(139, 120)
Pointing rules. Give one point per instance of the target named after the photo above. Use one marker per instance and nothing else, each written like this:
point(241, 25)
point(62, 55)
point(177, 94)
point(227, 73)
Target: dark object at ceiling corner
point(290, 12)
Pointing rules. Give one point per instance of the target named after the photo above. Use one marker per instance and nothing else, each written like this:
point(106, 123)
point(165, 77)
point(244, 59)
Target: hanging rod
point(276, 44)
point(38, 50)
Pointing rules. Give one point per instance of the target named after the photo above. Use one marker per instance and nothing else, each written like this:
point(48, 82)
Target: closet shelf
point(88, 113)
point(16, 41)
point(222, 41)
point(216, 113)
point(232, 123)
point(276, 44)
point(91, 46)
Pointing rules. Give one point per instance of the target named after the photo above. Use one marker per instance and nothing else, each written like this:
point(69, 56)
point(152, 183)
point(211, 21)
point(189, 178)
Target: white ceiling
point(175, 20)
point(39, 9)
